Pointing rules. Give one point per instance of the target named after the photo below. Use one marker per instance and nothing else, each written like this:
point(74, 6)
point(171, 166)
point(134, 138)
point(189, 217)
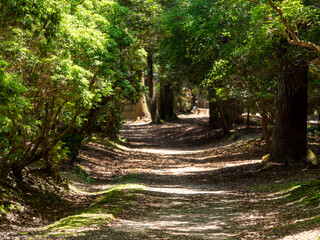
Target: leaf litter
point(198, 184)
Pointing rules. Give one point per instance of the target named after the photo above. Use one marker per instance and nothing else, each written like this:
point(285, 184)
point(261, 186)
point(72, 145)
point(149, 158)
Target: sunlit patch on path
point(183, 191)
point(197, 184)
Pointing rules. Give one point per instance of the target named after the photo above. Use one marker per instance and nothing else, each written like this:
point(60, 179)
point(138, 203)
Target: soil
point(200, 184)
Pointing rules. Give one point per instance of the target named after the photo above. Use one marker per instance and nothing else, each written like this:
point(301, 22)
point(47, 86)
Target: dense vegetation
point(67, 67)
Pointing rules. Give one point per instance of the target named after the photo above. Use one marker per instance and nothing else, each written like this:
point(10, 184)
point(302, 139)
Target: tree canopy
point(67, 67)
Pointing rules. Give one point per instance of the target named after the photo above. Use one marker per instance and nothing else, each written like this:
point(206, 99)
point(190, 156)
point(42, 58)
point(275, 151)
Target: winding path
point(199, 185)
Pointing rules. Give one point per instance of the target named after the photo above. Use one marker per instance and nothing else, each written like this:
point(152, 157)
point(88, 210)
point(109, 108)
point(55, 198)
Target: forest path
point(175, 161)
point(198, 184)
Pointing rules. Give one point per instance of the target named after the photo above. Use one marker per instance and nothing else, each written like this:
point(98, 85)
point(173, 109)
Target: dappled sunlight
point(179, 181)
point(77, 223)
point(183, 191)
point(160, 151)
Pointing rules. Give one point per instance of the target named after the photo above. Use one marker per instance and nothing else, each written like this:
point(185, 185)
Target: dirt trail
point(174, 160)
point(199, 185)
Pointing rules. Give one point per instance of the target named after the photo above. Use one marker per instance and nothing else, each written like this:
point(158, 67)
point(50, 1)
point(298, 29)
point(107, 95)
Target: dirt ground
point(199, 184)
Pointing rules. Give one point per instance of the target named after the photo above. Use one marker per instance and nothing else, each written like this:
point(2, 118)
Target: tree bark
point(289, 143)
point(213, 111)
point(265, 128)
point(152, 90)
point(224, 118)
point(248, 118)
point(142, 110)
point(4, 169)
point(166, 106)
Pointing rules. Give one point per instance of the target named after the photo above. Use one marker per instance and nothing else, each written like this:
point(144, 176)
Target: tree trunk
point(4, 169)
point(248, 118)
point(142, 110)
point(213, 111)
point(265, 128)
point(224, 118)
point(289, 141)
point(166, 106)
point(319, 118)
point(152, 90)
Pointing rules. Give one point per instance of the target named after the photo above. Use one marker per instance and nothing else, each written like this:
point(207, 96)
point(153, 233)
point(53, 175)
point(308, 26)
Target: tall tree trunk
point(289, 141)
point(213, 111)
point(166, 106)
point(248, 118)
point(224, 118)
point(319, 118)
point(152, 90)
point(142, 110)
point(265, 128)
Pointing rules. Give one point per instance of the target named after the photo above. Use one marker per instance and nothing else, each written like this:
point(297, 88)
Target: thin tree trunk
point(248, 118)
point(319, 118)
point(289, 140)
point(32, 156)
point(152, 90)
point(265, 128)
point(213, 111)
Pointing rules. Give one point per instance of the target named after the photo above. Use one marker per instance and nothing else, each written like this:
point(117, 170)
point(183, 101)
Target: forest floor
point(177, 180)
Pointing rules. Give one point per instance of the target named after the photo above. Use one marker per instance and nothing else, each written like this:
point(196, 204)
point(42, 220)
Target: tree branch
point(294, 38)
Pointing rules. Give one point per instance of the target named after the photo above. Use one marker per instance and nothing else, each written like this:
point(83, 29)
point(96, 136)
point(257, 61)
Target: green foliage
point(10, 207)
point(66, 67)
point(59, 62)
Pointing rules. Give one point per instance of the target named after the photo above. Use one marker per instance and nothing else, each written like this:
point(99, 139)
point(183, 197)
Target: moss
point(310, 223)
point(277, 188)
point(306, 193)
point(108, 206)
point(125, 179)
point(82, 173)
point(293, 190)
point(76, 223)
